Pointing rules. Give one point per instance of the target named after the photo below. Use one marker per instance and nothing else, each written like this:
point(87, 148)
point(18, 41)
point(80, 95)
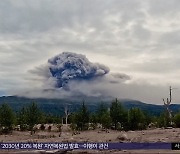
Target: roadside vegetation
point(115, 117)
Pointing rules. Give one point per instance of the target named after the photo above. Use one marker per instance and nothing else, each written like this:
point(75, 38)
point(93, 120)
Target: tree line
point(118, 118)
point(26, 118)
point(114, 117)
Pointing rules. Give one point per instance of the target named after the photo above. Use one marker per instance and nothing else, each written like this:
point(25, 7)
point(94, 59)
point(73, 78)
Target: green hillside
point(56, 106)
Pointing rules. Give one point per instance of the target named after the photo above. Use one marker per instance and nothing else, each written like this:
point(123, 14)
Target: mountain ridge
point(56, 106)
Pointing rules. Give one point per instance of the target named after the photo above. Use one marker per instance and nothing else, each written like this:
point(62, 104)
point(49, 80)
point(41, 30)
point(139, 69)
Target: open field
point(154, 135)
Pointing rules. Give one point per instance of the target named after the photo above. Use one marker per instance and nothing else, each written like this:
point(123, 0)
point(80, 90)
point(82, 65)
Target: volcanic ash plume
point(73, 75)
point(69, 66)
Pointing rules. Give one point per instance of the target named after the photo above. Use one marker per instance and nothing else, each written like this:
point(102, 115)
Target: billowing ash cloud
point(70, 74)
point(69, 66)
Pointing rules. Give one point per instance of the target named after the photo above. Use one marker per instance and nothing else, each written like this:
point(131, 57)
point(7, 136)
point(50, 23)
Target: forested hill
point(56, 106)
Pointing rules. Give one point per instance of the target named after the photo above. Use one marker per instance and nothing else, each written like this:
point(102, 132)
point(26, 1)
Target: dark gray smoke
point(73, 75)
point(69, 66)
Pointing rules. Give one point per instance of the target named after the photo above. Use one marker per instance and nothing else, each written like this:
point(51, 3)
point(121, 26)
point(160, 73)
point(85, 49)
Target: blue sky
point(133, 37)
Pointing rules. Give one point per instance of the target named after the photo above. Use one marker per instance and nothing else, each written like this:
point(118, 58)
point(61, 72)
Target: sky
point(135, 38)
